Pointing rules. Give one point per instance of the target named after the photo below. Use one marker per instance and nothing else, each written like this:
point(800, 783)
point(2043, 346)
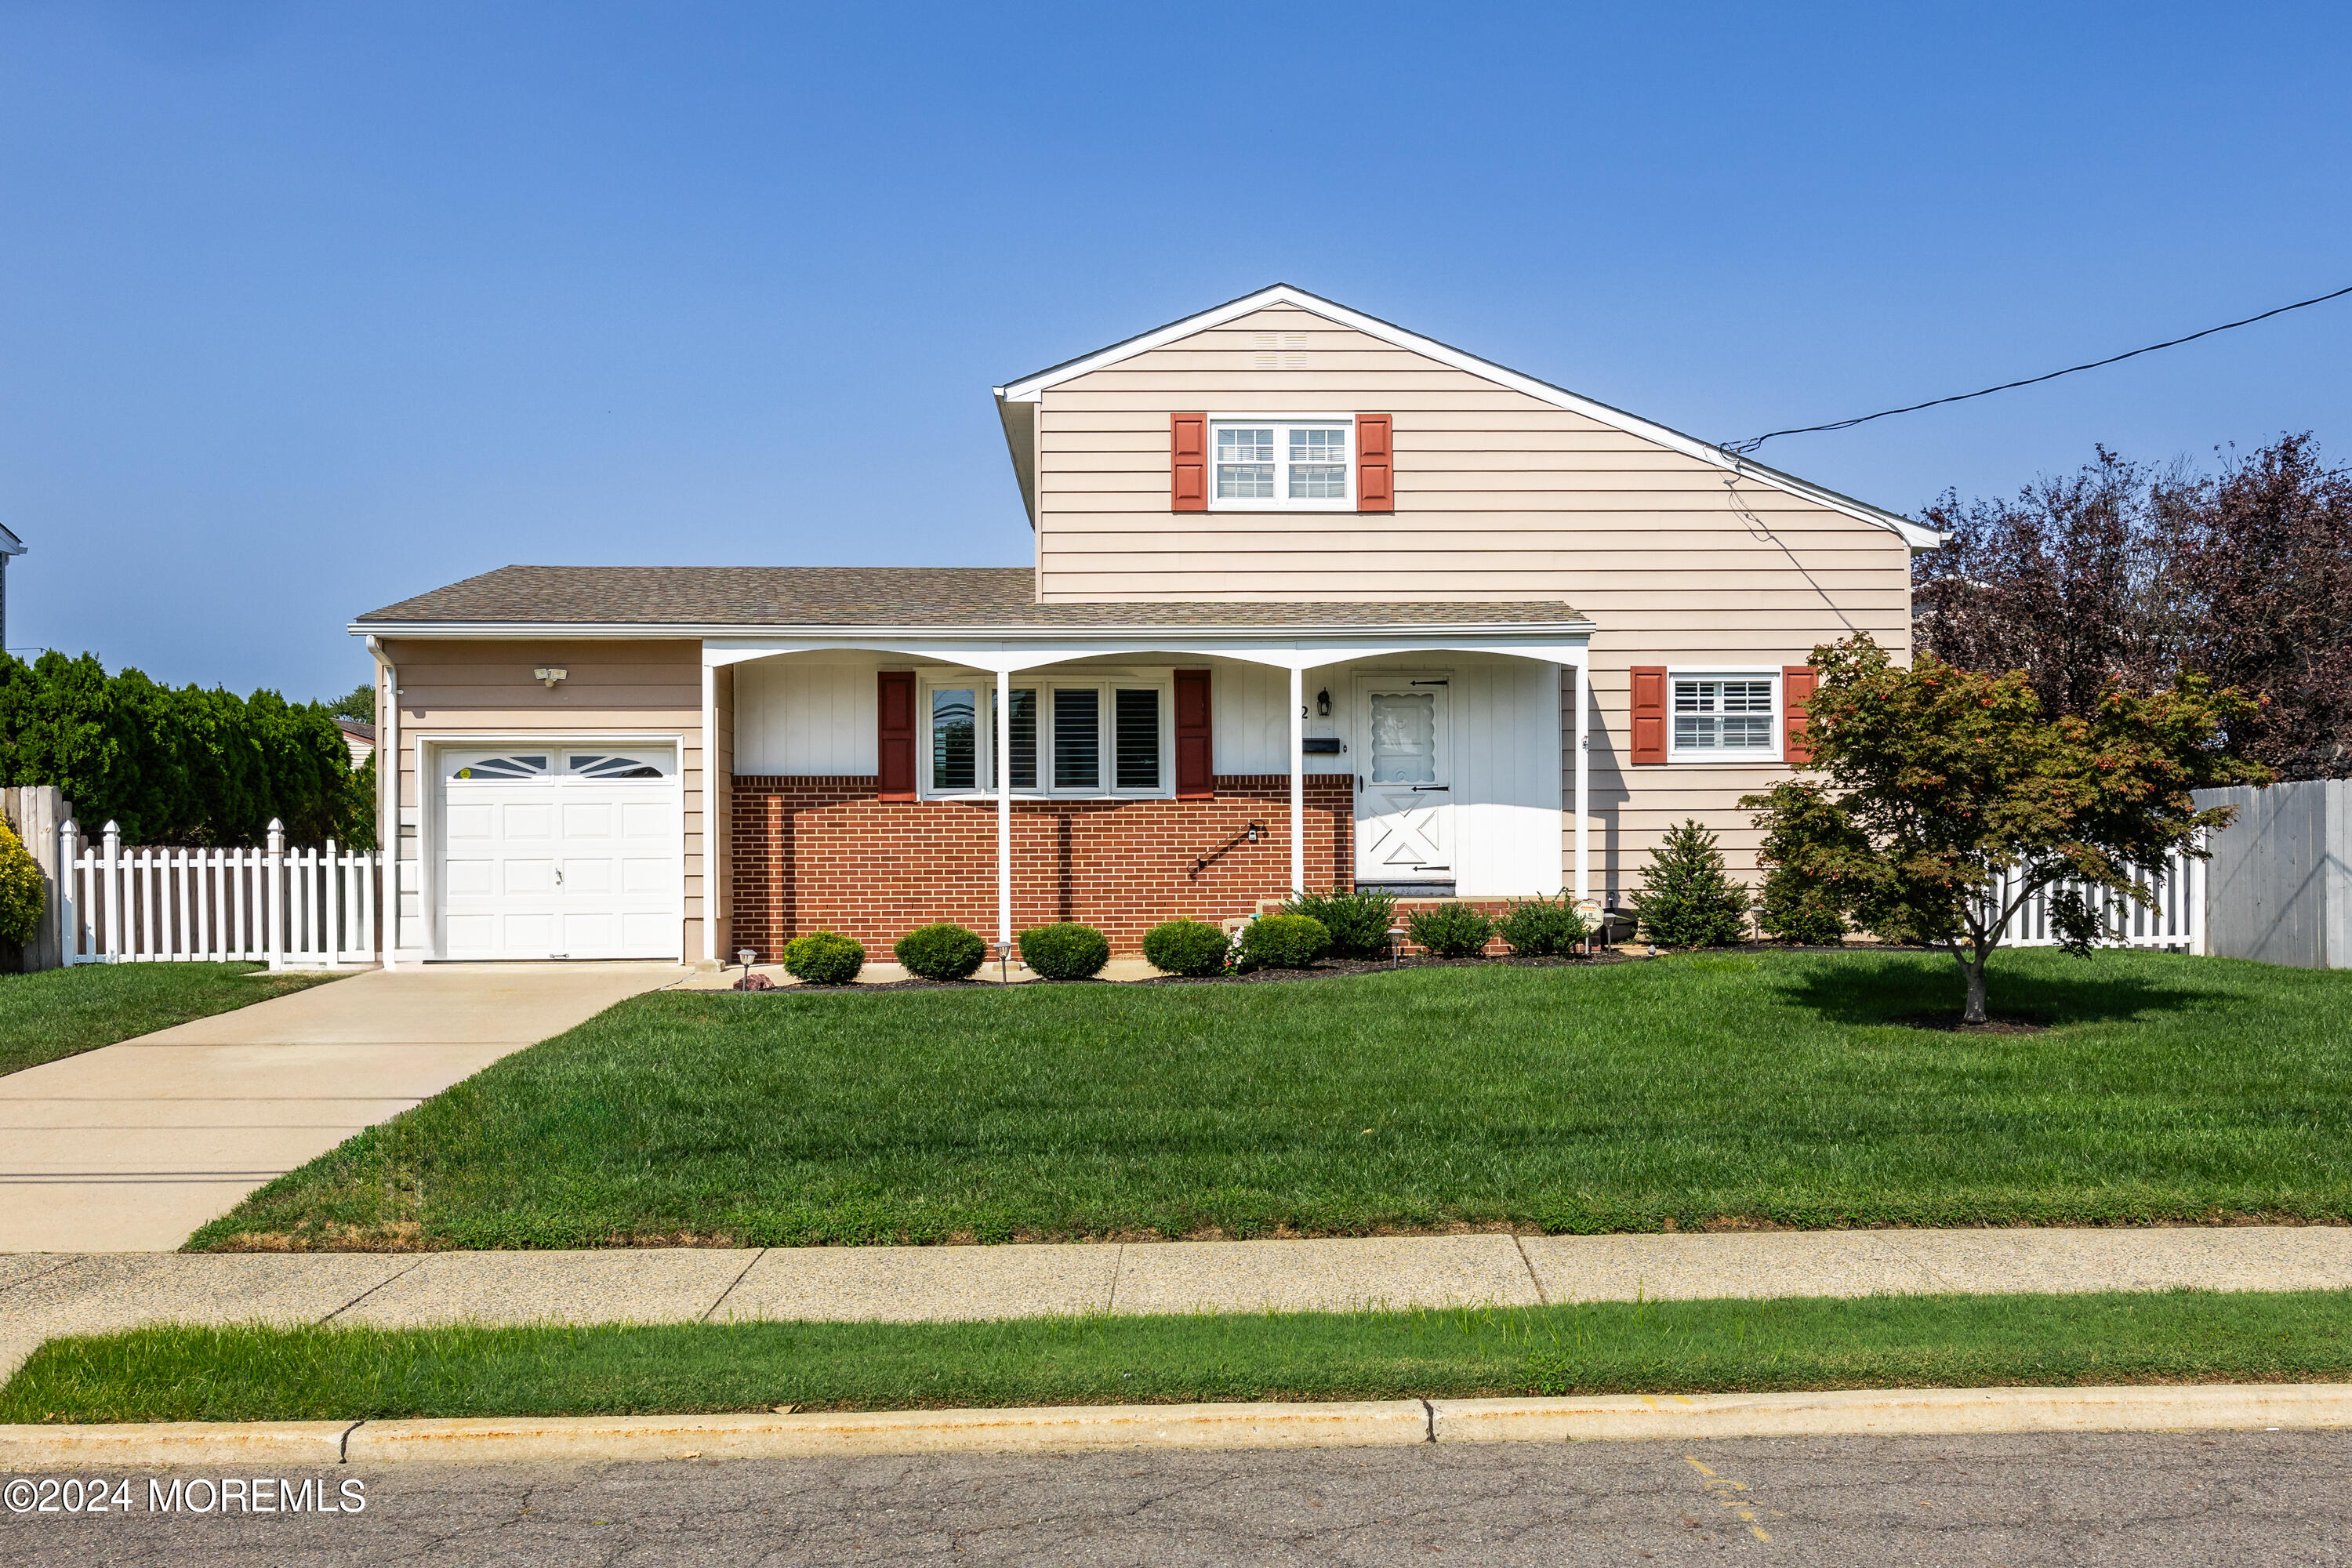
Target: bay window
point(1089, 736)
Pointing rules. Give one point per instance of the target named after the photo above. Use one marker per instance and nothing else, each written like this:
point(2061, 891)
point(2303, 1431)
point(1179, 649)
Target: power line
point(1753, 442)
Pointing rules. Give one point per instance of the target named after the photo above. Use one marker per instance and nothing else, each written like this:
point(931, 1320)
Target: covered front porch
point(874, 783)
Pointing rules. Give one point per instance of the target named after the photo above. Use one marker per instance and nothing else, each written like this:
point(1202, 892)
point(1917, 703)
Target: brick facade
point(828, 852)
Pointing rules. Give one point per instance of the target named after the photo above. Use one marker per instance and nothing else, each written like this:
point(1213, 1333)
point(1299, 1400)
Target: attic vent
point(1282, 350)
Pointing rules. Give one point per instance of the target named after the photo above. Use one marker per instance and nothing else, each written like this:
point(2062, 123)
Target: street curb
point(1094, 1428)
point(1895, 1412)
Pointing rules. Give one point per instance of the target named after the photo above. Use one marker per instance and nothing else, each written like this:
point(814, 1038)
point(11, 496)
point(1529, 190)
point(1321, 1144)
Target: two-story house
point(1316, 602)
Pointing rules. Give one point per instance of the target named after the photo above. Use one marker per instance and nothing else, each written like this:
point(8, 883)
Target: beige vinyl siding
point(460, 687)
point(1499, 496)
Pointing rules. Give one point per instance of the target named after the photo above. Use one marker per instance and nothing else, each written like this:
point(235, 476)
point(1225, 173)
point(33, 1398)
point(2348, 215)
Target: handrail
point(1250, 834)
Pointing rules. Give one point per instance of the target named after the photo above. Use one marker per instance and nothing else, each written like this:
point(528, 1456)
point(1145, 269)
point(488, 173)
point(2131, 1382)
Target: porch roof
point(850, 599)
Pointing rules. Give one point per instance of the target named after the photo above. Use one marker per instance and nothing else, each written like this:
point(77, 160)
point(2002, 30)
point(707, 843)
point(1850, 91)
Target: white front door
point(1404, 779)
point(560, 852)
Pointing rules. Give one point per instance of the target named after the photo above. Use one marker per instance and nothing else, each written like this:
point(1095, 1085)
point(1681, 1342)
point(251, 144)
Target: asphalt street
point(2180, 1499)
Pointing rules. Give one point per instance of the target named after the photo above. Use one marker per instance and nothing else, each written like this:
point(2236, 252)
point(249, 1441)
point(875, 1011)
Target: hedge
point(180, 764)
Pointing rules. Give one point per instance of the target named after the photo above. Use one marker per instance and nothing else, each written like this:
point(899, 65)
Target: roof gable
point(1016, 401)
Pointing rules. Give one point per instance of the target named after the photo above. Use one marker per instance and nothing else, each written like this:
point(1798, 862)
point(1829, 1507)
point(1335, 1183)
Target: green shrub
point(824, 958)
point(1794, 912)
point(1687, 899)
point(1451, 931)
point(1187, 947)
point(1358, 922)
point(1543, 928)
point(1283, 941)
point(179, 764)
point(940, 952)
point(1065, 951)
point(20, 889)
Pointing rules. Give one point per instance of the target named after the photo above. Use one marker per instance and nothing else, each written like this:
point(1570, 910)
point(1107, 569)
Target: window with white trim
point(1105, 736)
point(1282, 464)
point(1729, 716)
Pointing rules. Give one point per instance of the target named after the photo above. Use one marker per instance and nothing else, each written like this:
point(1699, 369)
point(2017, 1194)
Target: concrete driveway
point(132, 1147)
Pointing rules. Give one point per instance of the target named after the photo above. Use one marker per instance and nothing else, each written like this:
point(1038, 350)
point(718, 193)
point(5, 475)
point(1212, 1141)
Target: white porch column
point(1583, 783)
point(1000, 730)
point(387, 789)
point(712, 837)
point(1297, 779)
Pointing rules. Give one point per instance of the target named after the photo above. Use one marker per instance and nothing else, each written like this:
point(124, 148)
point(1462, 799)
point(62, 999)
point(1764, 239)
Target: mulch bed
point(1326, 970)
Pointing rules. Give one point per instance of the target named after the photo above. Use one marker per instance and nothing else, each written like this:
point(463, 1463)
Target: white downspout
point(387, 794)
point(1297, 780)
point(712, 834)
point(1584, 782)
point(1001, 731)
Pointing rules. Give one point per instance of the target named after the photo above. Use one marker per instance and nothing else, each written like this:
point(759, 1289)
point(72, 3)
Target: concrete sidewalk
point(42, 1296)
point(133, 1146)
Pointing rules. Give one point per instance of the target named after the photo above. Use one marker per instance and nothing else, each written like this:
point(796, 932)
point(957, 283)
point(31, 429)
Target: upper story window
point(1075, 737)
point(1725, 716)
point(1261, 465)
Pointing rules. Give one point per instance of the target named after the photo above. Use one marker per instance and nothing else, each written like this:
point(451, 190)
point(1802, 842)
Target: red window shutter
point(1196, 778)
point(1797, 683)
point(1375, 464)
point(896, 748)
point(1188, 462)
point(1649, 713)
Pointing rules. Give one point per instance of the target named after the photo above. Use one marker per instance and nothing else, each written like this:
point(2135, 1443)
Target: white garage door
point(564, 852)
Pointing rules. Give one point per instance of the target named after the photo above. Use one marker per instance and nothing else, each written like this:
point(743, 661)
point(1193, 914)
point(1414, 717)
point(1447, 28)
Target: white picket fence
point(2176, 920)
point(307, 909)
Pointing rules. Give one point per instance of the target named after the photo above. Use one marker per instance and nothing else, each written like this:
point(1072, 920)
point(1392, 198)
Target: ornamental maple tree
point(1934, 782)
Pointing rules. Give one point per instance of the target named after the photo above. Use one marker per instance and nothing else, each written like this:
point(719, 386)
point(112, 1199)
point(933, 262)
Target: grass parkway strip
point(1786, 1088)
point(65, 1011)
point(186, 1374)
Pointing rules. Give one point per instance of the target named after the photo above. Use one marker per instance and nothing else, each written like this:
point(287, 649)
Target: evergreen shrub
point(824, 958)
point(1186, 947)
point(1687, 899)
point(1451, 931)
point(1358, 922)
point(1543, 928)
point(941, 952)
point(1064, 952)
point(1802, 914)
point(1284, 942)
point(180, 764)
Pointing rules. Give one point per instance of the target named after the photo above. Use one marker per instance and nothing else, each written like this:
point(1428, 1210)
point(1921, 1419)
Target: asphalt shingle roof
point(985, 597)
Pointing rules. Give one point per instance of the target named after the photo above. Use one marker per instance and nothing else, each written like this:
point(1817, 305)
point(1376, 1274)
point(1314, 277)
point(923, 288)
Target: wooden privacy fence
point(307, 907)
point(2176, 920)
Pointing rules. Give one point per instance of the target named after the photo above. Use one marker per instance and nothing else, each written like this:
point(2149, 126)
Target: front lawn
point(65, 1011)
point(188, 1373)
point(1681, 1092)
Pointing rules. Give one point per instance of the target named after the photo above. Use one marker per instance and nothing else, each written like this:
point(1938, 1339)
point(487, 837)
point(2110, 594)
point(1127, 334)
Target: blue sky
point(305, 308)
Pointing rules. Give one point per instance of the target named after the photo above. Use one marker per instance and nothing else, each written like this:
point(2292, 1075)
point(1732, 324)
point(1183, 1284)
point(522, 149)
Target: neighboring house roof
point(9, 544)
point(357, 727)
point(870, 597)
point(1016, 402)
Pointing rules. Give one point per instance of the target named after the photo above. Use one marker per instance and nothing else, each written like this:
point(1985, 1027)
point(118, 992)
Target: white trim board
point(1029, 390)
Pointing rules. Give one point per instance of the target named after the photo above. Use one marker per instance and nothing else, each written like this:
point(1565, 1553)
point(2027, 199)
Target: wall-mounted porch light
point(548, 678)
point(1323, 703)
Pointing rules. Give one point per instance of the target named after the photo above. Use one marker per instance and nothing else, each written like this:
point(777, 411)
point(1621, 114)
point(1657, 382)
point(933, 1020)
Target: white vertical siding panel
point(804, 716)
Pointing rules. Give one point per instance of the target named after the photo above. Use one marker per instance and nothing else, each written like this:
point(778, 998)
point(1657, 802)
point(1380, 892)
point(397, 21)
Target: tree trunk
point(1974, 968)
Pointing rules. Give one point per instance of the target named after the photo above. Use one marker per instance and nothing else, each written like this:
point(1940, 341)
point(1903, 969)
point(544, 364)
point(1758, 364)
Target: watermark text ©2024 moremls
point(182, 1494)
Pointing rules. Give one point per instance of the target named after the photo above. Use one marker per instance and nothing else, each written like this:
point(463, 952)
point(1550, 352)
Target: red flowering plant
point(1944, 799)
